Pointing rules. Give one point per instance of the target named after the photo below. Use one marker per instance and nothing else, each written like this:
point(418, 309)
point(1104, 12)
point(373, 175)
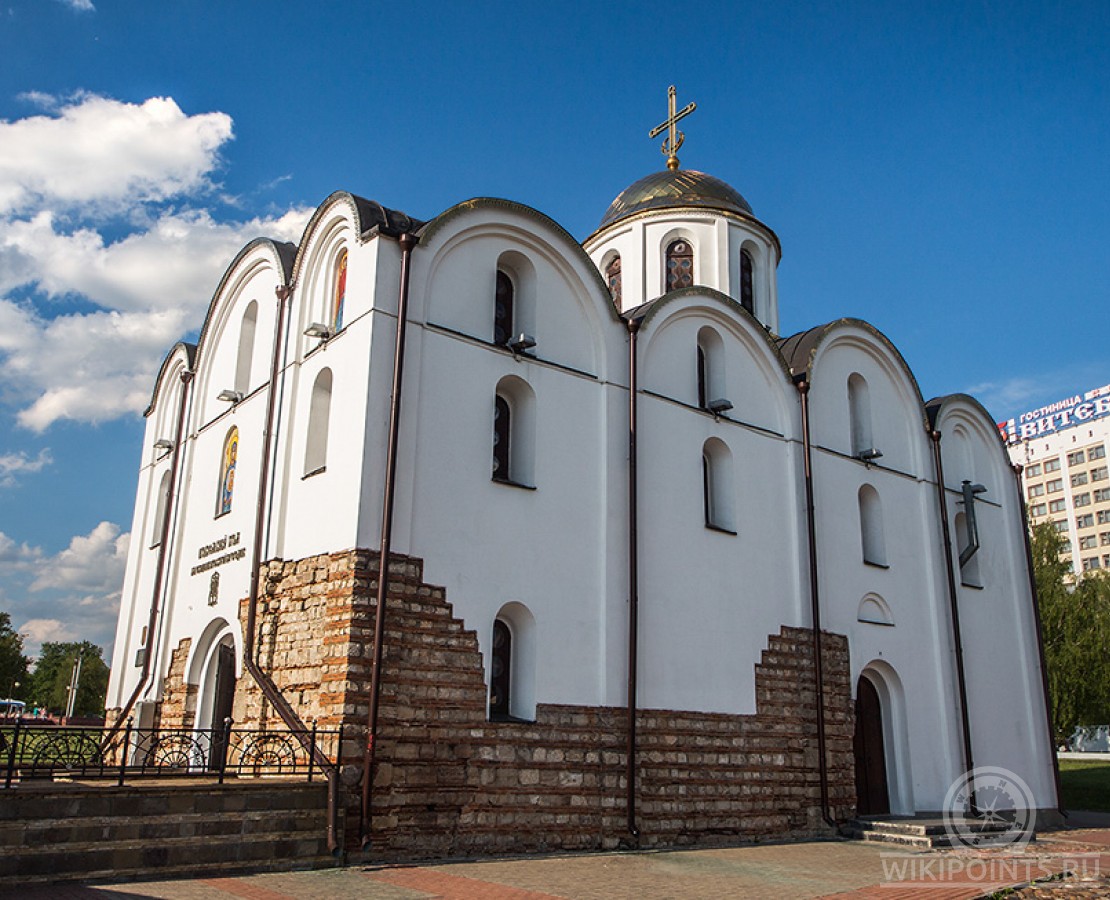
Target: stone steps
point(81, 832)
point(916, 833)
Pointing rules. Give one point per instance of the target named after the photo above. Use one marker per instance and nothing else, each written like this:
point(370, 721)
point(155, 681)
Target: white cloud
point(107, 155)
point(14, 464)
point(37, 632)
point(92, 563)
point(15, 557)
point(90, 158)
point(80, 5)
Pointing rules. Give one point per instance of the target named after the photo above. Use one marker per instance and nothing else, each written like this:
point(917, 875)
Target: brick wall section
point(178, 707)
point(451, 783)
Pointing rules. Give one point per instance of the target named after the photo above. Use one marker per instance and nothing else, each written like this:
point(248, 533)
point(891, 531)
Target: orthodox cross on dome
point(674, 137)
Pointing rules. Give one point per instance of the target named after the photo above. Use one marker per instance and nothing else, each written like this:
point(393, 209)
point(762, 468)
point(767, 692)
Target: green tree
point(1076, 622)
point(54, 671)
point(14, 680)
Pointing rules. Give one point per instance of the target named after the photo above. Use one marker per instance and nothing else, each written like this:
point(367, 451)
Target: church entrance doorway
point(872, 796)
point(223, 697)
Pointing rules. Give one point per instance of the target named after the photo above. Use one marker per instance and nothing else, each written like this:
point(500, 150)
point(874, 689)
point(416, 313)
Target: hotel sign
point(1094, 404)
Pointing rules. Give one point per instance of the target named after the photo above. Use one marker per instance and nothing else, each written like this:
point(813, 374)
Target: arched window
point(502, 438)
point(747, 291)
point(500, 675)
point(613, 279)
point(872, 537)
point(716, 482)
point(339, 293)
point(227, 472)
point(514, 432)
point(246, 349)
point(859, 414)
point(680, 264)
point(969, 571)
point(512, 664)
point(710, 367)
point(160, 510)
point(316, 441)
point(503, 309)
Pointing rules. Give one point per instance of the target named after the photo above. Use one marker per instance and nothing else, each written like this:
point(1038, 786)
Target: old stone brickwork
point(179, 698)
point(449, 782)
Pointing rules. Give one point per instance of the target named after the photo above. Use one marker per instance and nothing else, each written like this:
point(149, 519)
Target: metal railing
point(33, 752)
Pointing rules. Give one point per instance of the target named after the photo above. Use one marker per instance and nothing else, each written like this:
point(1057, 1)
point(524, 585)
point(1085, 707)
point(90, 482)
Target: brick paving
point(845, 870)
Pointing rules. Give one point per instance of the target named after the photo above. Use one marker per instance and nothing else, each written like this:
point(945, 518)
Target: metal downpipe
point(814, 602)
point(160, 566)
point(262, 679)
point(407, 243)
point(954, 606)
point(1017, 469)
point(633, 578)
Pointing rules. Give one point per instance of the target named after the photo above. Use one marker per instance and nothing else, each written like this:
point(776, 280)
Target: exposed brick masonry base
point(451, 783)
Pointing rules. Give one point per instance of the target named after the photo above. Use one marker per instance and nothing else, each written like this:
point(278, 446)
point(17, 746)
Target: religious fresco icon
point(227, 471)
point(340, 292)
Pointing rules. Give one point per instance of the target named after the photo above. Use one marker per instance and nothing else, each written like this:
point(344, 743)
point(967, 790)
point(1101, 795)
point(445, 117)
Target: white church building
point(617, 503)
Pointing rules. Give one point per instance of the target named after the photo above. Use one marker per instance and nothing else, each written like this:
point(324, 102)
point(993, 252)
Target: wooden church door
point(223, 698)
point(871, 790)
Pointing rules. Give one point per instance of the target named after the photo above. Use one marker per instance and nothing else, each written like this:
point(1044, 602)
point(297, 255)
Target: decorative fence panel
point(31, 752)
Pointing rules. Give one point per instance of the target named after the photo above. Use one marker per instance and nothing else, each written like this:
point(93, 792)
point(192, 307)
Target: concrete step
point(920, 833)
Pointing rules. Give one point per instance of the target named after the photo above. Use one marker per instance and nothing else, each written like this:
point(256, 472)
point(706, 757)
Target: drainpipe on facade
point(814, 601)
point(953, 602)
point(159, 569)
point(407, 242)
point(1017, 469)
point(262, 679)
point(633, 578)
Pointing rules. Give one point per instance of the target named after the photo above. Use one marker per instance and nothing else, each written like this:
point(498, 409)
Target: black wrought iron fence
point(31, 752)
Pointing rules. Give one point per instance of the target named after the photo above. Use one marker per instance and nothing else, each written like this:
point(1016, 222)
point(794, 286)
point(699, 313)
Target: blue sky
point(939, 169)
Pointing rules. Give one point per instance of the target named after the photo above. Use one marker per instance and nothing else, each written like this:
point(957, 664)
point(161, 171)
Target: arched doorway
point(872, 794)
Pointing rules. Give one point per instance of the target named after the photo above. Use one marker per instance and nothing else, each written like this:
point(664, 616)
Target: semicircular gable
point(558, 295)
point(831, 356)
point(261, 260)
point(979, 454)
point(752, 375)
point(181, 357)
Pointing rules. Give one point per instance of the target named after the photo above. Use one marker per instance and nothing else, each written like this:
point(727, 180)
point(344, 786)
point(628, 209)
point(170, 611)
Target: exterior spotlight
point(164, 444)
point(230, 396)
point(870, 455)
point(318, 330)
point(521, 343)
point(721, 405)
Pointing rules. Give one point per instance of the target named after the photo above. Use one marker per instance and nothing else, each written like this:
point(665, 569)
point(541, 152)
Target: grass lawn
point(1085, 784)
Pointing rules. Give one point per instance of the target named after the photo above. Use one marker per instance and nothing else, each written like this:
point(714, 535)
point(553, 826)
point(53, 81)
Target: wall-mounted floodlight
point(718, 406)
point(230, 396)
point(521, 343)
point(164, 444)
point(870, 454)
point(318, 330)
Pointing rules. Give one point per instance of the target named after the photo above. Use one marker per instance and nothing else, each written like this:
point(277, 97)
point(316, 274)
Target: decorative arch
point(717, 485)
point(319, 415)
point(512, 663)
point(710, 363)
point(245, 357)
point(872, 533)
point(213, 660)
point(514, 432)
point(322, 288)
point(874, 610)
point(886, 683)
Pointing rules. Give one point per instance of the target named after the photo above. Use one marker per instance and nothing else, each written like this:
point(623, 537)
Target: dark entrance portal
point(223, 698)
point(871, 791)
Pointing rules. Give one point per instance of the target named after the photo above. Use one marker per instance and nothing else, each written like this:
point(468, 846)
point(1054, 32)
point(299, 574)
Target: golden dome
point(675, 188)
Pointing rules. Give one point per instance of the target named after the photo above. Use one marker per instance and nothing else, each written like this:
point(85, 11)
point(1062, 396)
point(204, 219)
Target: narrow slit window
point(503, 309)
point(747, 290)
point(500, 677)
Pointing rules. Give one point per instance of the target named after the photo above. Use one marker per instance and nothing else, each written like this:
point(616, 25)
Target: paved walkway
point(839, 869)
